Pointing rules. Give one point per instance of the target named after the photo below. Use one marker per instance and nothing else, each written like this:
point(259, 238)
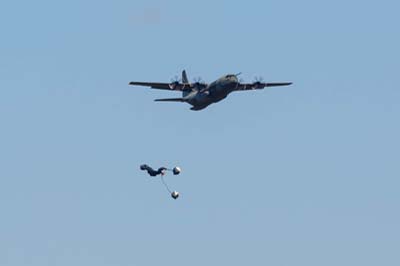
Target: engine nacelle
point(173, 85)
point(257, 85)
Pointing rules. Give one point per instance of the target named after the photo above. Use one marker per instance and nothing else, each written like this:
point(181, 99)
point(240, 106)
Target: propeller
point(258, 79)
point(176, 79)
point(174, 82)
point(257, 82)
point(198, 82)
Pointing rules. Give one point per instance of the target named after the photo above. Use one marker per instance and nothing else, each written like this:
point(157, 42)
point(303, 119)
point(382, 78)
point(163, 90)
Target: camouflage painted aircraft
point(200, 95)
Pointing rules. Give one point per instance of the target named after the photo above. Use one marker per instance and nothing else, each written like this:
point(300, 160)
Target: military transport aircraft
point(200, 95)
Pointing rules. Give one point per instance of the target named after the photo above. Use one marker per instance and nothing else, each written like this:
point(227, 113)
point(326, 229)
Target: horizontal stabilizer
point(278, 84)
point(170, 100)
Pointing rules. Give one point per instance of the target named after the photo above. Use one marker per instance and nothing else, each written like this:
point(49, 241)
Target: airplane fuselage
point(214, 92)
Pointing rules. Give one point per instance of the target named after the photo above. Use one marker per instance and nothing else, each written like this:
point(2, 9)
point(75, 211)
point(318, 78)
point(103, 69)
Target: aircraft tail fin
point(170, 100)
point(184, 77)
point(185, 80)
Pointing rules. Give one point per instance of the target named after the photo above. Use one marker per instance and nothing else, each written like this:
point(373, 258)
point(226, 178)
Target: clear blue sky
point(302, 175)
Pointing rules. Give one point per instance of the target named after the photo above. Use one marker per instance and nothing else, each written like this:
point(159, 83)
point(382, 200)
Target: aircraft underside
point(202, 100)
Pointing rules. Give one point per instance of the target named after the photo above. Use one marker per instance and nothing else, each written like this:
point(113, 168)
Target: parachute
point(162, 172)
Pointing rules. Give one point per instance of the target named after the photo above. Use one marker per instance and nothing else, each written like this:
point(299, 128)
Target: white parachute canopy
point(176, 170)
point(175, 194)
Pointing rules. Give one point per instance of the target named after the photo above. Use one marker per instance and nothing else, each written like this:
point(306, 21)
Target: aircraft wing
point(173, 86)
point(260, 85)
